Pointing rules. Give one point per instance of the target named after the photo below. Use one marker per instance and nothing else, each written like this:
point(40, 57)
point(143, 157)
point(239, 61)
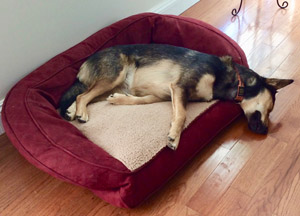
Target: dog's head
point(259, 94)
point(259, 102)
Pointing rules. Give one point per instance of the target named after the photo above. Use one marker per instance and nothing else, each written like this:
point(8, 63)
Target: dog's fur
point(141, 74)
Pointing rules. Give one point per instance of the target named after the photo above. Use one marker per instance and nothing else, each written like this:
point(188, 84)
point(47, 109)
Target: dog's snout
point(259, 128)
point(256, 125)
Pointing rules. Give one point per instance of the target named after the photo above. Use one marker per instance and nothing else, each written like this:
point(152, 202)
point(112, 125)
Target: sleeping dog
point(148, 73)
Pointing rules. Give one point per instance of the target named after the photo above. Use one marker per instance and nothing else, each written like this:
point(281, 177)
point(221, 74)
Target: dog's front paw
point(69, 116)
point(70, 112)
point(173, 142)
point(82, 118)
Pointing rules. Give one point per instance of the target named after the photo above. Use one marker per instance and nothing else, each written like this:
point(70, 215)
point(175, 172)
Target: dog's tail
point(70, 96)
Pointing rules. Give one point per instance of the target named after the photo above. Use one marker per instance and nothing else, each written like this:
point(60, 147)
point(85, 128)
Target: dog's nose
point(256, 125)
point(259, 128)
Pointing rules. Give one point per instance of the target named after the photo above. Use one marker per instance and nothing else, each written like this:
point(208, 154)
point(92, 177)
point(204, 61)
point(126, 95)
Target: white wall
point(33, 31)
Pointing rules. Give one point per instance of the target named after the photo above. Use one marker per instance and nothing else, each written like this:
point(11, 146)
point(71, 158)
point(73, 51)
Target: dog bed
point(57, 147)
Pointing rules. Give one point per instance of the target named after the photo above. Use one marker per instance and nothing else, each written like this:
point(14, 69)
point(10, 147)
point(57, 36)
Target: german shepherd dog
point(148, 73)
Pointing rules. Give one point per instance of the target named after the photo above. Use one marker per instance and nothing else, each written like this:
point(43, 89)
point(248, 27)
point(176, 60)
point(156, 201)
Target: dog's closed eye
point(251, 81)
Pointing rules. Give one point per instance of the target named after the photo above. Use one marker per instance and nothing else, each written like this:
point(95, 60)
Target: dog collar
point(241, 87)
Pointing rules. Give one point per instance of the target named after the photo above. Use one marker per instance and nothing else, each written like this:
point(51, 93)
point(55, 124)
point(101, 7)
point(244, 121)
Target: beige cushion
point(133, 134)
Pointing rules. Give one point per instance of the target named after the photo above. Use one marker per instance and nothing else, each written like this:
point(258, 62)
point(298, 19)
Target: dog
point(148, 73)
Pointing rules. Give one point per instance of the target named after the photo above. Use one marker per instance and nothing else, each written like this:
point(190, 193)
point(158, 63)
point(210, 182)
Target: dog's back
point(150, 68)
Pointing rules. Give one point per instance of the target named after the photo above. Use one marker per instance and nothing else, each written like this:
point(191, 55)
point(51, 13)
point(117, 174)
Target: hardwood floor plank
point(289, 68)
point(232, 134)
point(23, 180)
point(26, 201)
point(220, 12)
point(258, 166)
point(208, 194)
point(285, 117)
point(71, 201)
point(258, 54)
point(3, 141)
point(200, 171)
point(106, 209)
point(277, 182)
point(182, 210)
point(232, 203)
point(7, 154)
point(289, 204)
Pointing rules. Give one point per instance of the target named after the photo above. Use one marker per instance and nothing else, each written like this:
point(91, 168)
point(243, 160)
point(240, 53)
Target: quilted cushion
point(55, 146)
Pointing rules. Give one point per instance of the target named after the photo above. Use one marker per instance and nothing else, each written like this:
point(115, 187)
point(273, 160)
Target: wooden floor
point(239, 174)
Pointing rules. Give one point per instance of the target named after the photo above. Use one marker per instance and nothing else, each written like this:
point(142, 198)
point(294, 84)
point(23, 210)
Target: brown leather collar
point(241, 87)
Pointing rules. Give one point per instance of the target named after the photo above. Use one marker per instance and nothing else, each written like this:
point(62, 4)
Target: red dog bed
point(54, 145)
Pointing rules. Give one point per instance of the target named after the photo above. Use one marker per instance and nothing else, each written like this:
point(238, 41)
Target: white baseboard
point(1, 127)
point(174, 7)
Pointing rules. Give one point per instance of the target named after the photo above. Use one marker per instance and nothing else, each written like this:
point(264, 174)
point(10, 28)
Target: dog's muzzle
point(256, 125)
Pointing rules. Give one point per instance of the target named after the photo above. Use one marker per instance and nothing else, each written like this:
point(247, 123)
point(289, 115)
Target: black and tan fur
point(141, 74)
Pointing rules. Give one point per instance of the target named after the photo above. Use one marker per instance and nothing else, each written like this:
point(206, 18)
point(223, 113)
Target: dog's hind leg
point(179, 115)
point(99, 88)
point(70, 112)
point(127, 99)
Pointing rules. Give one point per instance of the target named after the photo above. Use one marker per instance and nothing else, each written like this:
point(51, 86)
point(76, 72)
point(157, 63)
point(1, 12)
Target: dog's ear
point(227, 60)
point(278, 83)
